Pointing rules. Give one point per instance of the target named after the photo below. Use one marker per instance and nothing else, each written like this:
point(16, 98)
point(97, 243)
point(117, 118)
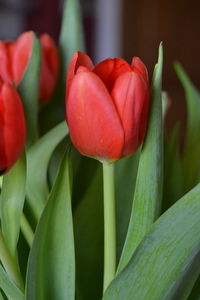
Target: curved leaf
point(167, 261)
point(29, 89)
point(12, 202)
point(191, 164)
point(38, 157)
point(71, 36)
point(51, 265)
point(88, 233)
point(148, 189)
point(8, 287)
point(173, 185)
point(125, 178)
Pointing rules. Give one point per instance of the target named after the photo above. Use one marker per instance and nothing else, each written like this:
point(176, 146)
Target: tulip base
point(109, 224)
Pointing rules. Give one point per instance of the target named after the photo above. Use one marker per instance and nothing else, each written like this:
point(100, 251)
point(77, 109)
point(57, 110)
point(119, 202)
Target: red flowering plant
point(95, 201)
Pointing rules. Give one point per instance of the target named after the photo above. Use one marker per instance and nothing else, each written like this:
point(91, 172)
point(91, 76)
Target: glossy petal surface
point(12, 126)
point(22, 53)
point(6, 61)
point(78, 59)
point(139, 66)
point(129, 95)
point(109, 70)
point(95, 127)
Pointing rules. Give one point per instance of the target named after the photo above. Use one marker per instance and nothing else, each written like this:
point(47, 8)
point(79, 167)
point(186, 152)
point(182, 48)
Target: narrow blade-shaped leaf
point(29, 91)
point(88, 232)
point(12, 202)
point(8, 287)
point(51, 266)
point(71, 35)
point(167, 261)
point(173, 181)
point(148, 189)
point(38, 158)
point(191, 162)
point(125, 177)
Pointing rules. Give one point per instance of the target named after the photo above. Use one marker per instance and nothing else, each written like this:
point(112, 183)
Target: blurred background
point(122, 28)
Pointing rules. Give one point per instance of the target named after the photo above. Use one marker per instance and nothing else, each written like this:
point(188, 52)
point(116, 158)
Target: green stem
point(10, 264)
point(109, 224)
point(27, 230)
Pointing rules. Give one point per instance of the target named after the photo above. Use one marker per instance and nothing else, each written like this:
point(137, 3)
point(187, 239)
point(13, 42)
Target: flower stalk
point(109, 224)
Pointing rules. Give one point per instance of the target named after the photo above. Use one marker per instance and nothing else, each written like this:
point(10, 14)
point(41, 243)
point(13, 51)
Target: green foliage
point(12, 202)
point(29, 91)
point(148, 190)
point(51, 266)
point(166, 263)
point(88, 231)
point(191, 162)
point(8, 287)
point(38, 157)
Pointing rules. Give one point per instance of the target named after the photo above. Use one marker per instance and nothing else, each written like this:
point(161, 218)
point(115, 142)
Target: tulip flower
point(107, 106)
point(12, 127)
point(14, 58)
point(50, 67)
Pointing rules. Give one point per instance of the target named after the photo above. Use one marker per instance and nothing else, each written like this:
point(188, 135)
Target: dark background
point(123, 28)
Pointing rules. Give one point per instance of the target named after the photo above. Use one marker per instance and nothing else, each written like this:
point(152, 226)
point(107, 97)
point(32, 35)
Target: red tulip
point(107, 106)
point(12, 127)
point(50, 67)
point(14, 58)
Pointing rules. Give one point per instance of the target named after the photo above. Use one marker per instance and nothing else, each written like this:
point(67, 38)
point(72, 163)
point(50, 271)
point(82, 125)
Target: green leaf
point(173, 181)
point(148, 189)
point(51, 265)
point(71, 36)
point(38, 157)
point(167, 261)
point(12, 202)
point(88, 232)
point(191, 166)
point(125, 178)
point(29, 91)
point(8, 287)
point(164, 104)
point(195, 294)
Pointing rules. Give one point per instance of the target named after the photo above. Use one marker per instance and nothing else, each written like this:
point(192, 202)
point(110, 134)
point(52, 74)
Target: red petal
point(109, 69)
point(50, 67)
point(12, 127)
point(130, 95)
point(94, 125)
point(6, 61)
point(22, 53)
point(77, 60)
point(139, 66)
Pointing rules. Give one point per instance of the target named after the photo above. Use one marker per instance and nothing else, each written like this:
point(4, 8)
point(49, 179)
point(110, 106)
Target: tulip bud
point(6, 56)
point(50, 67)
point(107, 106)
point(12, 127)
point(14, 58)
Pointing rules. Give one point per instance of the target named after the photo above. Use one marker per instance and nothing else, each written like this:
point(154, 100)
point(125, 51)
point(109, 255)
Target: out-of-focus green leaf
point(88, 231)
point(125, 177)
point(38, 157)
point(8, 287)
point(51, 265)
point(173, 185)
point(167, 261)
point(12, 202)
point(195, 293)
point(148, 189)
point(191, 161)
point(71, 36)
point(29, 91)
point(164, 103)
